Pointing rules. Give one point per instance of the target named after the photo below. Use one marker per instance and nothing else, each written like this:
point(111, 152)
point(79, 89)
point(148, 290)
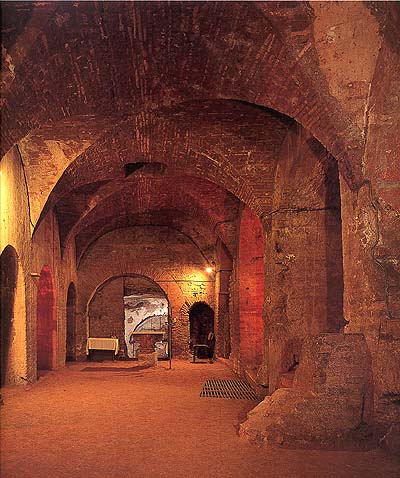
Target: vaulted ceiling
point(129, 113)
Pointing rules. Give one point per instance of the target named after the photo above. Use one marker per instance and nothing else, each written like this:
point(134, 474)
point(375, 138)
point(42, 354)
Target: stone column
point(371, 234)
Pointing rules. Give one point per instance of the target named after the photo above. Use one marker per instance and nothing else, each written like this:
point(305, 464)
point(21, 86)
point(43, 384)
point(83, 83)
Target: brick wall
point(304, 265)
point(106, 312)
point(159, 253)
point(70, 338)
point(13, 319)
point(251, 289)
point(222, 294)
point(15, 233)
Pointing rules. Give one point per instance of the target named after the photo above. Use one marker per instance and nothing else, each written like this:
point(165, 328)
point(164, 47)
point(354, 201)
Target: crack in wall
point(299, 210)
point(379, 262)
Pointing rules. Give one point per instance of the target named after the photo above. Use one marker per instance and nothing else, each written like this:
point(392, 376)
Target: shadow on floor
point(115, 369)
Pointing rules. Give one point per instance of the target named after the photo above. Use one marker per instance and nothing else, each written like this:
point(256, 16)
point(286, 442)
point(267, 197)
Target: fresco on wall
point(143, 313)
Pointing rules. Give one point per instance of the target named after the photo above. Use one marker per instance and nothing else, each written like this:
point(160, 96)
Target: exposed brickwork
point(304, 269)
point(371, 219)
point(222, 294)
point(70, 337)
point(228, 143)
point(106, 313)
point(251, 290)
point(331, 400)
point(145, 200)
point(165, 256)
point(13, 319)
point(171, 74)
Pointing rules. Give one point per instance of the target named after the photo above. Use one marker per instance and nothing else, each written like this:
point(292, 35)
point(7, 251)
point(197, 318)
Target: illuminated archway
point(126, 305)
point(46, 321)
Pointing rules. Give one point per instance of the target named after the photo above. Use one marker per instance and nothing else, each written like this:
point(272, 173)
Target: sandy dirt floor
point(114, 419)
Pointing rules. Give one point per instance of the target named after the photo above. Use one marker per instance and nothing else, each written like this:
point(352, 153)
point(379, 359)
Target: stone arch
point(46, 321)
point(163, 139)
point(70, 347)
point(122, 208)
point(271, 54)
point(13, 319)
point(118, 266)
point(117, 276)
point(107, 307)
point(188, 304)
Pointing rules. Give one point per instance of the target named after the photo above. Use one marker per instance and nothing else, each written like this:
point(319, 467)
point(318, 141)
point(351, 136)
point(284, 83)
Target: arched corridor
point(217, 174)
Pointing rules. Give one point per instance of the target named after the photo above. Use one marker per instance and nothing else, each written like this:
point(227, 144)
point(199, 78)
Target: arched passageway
point(46, 321)
point(134, 309)
point(173, 142)
point(13, 319)
point(71, 325)
point(201, 321)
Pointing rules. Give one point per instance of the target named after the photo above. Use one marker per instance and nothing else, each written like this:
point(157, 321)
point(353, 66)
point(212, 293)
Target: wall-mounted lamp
point(210, 267)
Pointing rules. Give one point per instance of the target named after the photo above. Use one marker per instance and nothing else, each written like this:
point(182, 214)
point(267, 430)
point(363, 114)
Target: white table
point(102, 343)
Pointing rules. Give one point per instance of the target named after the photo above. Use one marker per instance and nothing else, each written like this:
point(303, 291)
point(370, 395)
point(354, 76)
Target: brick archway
point(46, 321)
point(112, 298)
point(186, 307)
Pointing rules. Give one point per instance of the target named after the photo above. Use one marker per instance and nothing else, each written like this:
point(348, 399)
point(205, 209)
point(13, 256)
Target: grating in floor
point(233, 389)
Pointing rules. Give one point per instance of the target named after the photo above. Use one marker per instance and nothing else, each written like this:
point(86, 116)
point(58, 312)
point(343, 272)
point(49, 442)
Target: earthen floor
point(115, 421)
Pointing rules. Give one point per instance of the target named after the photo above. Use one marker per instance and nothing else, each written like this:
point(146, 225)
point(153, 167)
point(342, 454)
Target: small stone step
point(286, 380)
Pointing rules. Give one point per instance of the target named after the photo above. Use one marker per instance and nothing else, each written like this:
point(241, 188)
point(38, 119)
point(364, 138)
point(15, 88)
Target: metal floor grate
point(233, 389)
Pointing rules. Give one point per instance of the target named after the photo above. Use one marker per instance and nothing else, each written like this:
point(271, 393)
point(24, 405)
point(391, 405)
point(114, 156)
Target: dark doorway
point(46, 321)
point(201, 320)
point(8, 271)
point(71, 327)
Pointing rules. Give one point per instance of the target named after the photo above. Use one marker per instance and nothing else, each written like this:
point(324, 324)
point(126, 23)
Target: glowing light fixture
point(209, 270)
